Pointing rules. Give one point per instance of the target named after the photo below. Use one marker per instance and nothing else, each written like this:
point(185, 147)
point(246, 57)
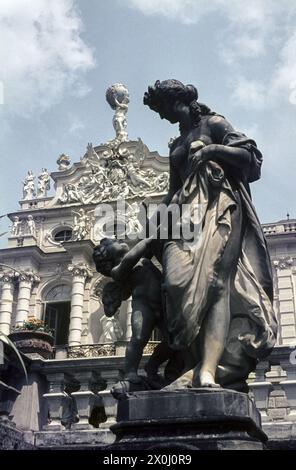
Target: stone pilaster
point(261, 388)
point(80, 273)
point(26, 281)
point(6, 303)
point(128, 333)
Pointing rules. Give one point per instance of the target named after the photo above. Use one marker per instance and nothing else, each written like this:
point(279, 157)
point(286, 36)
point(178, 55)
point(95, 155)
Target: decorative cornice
point(283, 263)
point(81, 270)
point(9, 277)
point(29, 277)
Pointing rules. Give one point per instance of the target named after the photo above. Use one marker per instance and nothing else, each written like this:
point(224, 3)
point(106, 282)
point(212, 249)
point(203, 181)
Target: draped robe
point(191, 271)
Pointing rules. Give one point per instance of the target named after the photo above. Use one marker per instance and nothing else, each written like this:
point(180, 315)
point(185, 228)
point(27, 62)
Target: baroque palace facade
point(50, 246)
point(47, 273)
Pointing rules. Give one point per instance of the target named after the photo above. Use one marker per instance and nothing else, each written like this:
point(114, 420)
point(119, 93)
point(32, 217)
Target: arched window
point(57, 307)
point(59, 293)
point(63, 235)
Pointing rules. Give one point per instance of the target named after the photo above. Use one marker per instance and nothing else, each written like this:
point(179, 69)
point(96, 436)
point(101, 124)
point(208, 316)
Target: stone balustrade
point(98, 350)
point(76, 407)
point(273, 388)
point(279, 228)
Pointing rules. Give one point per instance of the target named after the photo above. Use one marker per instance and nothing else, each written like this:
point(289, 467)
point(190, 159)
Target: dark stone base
point(12, 438)
point(192, 419)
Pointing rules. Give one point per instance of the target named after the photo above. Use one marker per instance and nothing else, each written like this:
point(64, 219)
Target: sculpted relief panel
point(114, 173)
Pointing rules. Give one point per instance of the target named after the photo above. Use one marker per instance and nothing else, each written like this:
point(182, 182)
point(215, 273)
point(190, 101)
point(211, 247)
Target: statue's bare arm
point(236, 156)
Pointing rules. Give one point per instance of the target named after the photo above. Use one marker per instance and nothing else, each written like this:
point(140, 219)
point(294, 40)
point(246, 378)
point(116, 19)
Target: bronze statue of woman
point(218, 294)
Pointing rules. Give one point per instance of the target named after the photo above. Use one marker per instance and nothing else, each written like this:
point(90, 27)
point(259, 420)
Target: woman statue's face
point(173, 111)
point(168, 111)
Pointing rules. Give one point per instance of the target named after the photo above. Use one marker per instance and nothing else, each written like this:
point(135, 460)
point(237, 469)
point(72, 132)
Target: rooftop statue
point(43, 183)
point(117, 96)
point(64, 162)
point(217, 295)
point(29, 186)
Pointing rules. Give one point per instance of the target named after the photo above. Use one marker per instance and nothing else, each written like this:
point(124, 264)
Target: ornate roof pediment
point(107, 173)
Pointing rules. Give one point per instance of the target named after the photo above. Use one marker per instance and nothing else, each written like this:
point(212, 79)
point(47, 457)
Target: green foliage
point(34, 325)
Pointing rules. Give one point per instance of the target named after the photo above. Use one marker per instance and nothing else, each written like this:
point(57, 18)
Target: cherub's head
point(108, 254)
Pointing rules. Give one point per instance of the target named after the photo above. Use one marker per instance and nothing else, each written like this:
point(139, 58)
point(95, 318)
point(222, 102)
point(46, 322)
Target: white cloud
point(253, 30)
point(190, 11)
point(186, 11)
point(76, 125)
point(42, 54)
point(284, 76)
point(249, 93)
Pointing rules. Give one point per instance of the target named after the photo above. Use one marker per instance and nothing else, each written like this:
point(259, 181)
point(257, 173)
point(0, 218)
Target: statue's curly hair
point(102, 257)
point(172, 90)
point(108, 254)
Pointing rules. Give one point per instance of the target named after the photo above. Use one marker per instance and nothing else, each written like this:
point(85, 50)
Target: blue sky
point(57, 57)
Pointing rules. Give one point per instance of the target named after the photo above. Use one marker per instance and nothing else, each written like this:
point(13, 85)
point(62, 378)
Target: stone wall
point(13, 439)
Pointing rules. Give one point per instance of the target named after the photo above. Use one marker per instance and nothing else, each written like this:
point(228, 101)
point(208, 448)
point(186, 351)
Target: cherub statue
point(132, 169)
point(70, 194)
point(144, 285)
point(131, 217)
point(16, 226)
point(117, 96)
point(29, 186)
point(31, 226)
point(82, 224)
point(43, 183)
point(111, 329)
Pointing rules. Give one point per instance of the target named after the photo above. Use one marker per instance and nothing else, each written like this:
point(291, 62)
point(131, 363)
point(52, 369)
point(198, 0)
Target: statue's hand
point(204, 154)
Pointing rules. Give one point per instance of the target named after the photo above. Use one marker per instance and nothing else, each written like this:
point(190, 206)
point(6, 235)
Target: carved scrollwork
point(29, 277)
point(149, 348)
point(9, 277)
point(92, 350)
point(283, 263)
point(81, 270)
point(114, 174)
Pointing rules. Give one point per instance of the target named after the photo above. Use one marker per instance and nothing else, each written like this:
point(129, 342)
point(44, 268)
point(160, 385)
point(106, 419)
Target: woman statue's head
point(169, 96)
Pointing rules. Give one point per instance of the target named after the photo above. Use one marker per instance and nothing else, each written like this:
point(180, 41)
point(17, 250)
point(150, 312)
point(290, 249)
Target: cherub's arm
point(140, 250)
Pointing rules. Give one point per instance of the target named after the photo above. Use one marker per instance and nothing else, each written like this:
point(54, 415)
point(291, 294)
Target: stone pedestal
point(192, 419)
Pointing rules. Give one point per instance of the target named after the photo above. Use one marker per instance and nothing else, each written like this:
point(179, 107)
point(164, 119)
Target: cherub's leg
point(143, 322)
point(160, 354)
